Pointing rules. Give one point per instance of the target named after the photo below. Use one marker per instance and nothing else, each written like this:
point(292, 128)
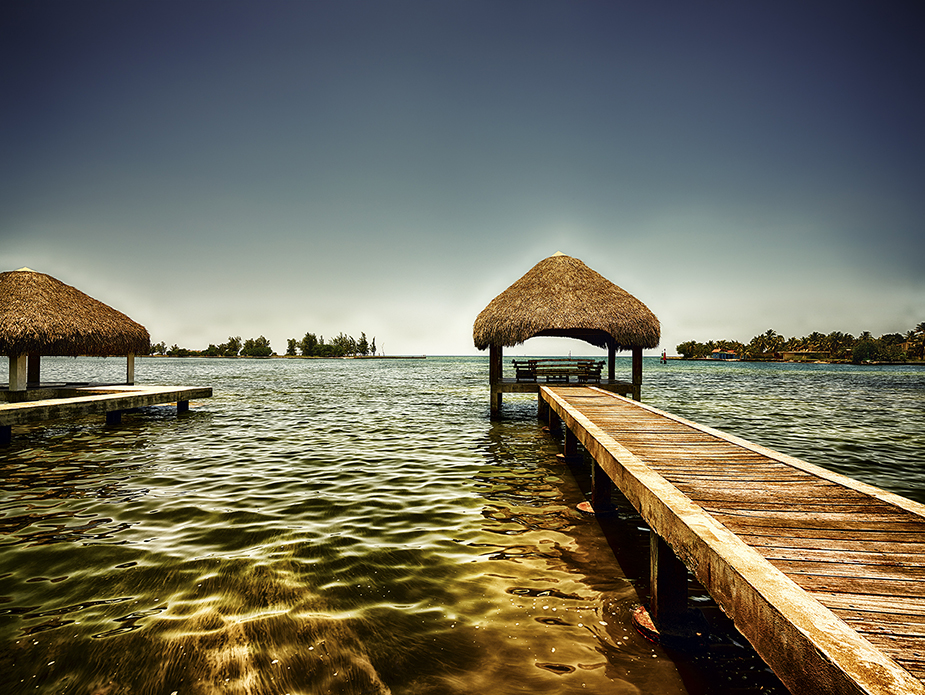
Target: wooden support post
point(35, 370)
point(601, 487)
point(6, 434)
point(611, 360)
point(18, 372)
point(130, 369)
point(554, 420)
point(668, 620)
point(637, 373)
point(668, 604)
point(182, 407)
point(542, 408)
point(570, 447)
point(494, 376)
point(114, 417)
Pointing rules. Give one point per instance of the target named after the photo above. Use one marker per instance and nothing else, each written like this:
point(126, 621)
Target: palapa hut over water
point(40, 315)
point(561, 296)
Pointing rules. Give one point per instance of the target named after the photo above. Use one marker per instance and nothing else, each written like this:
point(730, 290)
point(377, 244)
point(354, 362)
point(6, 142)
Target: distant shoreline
point(295, 357)
point(782, 361)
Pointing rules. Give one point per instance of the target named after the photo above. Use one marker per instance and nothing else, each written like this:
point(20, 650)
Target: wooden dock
point(48, 403)
point(824, 575)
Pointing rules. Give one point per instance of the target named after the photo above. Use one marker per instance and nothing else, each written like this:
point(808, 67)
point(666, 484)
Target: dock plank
point(823, 574)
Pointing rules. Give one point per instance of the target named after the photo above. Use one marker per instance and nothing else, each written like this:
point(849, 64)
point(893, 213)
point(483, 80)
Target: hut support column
point(611, 360)
point(130, 369)
point(18, 371)
point(35, 370)
point(637, 373)
point(494, 376)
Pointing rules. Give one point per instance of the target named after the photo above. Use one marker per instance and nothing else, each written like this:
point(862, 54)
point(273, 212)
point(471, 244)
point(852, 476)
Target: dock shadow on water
point(323, 527)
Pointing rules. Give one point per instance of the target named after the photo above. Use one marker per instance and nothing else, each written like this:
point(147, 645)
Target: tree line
point(310, 346)
point(341, 346)
point(834, 347)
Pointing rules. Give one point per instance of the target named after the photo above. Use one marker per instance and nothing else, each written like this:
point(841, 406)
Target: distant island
point(815, 347)
point(309, 346)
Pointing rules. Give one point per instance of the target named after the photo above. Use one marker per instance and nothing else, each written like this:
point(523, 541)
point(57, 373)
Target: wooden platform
point(823, 574)
point(52, 402)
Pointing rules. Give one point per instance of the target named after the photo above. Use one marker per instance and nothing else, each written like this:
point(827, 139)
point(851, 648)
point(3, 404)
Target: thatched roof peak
point(561, 296)
point(42, 315)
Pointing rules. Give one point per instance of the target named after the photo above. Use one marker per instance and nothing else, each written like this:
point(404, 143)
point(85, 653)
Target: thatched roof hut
point(40, 315)
point(561, 296)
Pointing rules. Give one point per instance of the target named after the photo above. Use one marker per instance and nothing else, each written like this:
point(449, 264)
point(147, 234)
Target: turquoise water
point(351, 526)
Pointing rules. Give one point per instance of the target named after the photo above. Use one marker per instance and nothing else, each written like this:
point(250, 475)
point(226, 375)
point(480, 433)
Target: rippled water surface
point(363, 526)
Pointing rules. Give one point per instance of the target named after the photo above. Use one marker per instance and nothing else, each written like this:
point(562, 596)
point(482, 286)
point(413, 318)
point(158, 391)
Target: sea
point(364, 526)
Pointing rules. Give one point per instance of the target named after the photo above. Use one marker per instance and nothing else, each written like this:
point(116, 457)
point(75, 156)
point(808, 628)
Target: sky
point(239, 168)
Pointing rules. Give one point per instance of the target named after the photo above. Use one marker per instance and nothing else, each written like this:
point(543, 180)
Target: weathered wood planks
point(823, 574)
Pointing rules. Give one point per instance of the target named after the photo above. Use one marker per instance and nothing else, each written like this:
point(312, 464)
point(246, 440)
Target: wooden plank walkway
point(110, 400)
point(823, 574)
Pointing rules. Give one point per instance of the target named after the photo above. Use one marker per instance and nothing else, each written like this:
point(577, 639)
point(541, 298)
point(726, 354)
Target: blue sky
point(271, 168)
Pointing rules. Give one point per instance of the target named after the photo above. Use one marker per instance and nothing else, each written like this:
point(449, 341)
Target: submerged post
point(668, 619)
point(668, 603)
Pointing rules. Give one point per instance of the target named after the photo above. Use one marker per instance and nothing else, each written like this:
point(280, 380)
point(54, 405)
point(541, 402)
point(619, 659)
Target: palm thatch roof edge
point(43, 316)
point(561, 296)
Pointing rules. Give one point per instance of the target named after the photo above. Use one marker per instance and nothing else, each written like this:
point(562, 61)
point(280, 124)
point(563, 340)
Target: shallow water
point(353, 526)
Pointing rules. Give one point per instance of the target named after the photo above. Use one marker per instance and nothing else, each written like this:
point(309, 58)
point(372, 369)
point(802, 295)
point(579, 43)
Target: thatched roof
point(561, 296)
point(43, 316)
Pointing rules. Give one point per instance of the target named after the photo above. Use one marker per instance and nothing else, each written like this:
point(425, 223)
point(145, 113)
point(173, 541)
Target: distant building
point(718, 354)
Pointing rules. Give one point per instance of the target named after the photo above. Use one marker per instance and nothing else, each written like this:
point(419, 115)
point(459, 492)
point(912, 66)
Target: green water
point(364, 527)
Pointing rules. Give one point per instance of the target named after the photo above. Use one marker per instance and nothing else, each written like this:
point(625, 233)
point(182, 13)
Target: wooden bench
point(559, 370)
